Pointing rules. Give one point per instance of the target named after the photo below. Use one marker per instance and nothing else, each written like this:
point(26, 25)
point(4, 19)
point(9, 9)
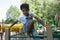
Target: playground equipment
point(15, 28)
point(5, 28)
point(48, 32)
point(7, 34)
point(1, 29)
point(48, 35)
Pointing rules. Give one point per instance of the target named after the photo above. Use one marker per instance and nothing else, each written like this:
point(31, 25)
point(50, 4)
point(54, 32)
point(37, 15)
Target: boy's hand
point(13, 24)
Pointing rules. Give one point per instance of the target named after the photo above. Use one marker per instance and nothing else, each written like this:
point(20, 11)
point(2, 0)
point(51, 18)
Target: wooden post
point(1, 36)
point(7, 34)
point(45, 33)
point(20, 32)
point(49, 32)
point(1, 29)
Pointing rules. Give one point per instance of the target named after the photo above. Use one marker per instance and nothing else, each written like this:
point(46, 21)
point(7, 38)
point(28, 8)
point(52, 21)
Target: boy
point(27, 19)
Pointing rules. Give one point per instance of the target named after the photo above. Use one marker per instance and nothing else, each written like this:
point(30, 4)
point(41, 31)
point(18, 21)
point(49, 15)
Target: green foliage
point(48, 10)
point(11, 14)
point(9, 20)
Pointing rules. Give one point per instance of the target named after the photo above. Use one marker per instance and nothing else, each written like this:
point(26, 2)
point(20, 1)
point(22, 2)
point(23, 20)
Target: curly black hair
point(24, 5)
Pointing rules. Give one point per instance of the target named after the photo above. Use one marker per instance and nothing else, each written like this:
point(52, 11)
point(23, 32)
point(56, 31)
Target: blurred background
point(47, 10)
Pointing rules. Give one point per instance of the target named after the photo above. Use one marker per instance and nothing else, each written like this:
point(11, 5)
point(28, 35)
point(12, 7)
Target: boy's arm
point(14, 23)
point(39, 20)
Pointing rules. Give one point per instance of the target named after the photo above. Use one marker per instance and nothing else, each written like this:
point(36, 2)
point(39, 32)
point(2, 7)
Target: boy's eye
point(24, 9)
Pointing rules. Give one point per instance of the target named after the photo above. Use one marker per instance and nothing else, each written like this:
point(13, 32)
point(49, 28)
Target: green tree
point(11, 14)
point(48, 10)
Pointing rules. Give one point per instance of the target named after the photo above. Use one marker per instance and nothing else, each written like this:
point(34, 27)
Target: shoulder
point(32, 14)
point(21, 16)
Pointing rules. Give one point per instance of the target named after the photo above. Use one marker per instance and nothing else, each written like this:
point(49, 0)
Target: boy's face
point(25, 11)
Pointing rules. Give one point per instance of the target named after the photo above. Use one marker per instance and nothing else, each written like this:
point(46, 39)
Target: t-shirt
point(23, 17)
point(25, 20)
